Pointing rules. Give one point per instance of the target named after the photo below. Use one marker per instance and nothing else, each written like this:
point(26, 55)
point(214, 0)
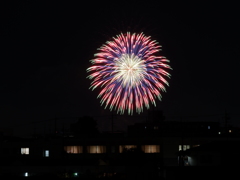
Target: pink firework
point(129, 73)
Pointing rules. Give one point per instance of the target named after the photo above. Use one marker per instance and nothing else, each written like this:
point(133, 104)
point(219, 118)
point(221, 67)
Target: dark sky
point(46, 48)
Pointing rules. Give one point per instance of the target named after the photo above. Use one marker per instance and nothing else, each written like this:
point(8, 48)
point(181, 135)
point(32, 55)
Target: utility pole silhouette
point(112, 122)
point(181, 157)
point(55, 125)
point(226, 118)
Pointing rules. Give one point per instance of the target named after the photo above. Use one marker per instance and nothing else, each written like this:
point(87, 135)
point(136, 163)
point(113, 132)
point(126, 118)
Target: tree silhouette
point(85, 126)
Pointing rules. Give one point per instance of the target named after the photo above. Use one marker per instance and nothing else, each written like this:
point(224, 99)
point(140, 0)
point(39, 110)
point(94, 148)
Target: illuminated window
point(209, 127)
point(155, 127)
point(126, 147)
point(96, 149)
point(73, 149)
point(185, 147)
point(46, 153)
point(229, 130)
point(196, 145)
point(219, 132)
point(26, 174)
point(151, 148)
point(25, 151)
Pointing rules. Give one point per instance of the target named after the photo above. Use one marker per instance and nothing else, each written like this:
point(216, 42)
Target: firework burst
point(129, 73)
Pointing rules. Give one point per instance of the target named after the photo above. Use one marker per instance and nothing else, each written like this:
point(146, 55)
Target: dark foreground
point(165, 173)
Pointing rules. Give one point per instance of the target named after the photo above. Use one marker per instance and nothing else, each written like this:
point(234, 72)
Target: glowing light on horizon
point(129, 73)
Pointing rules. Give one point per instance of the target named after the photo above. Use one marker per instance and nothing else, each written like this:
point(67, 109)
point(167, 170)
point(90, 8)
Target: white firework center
point(129, 70)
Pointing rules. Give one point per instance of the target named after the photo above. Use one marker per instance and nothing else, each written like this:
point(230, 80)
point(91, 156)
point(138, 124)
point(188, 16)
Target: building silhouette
point(152, 149)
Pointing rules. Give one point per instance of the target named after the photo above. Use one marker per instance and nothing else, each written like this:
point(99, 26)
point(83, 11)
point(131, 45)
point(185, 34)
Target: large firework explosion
point(129, 73)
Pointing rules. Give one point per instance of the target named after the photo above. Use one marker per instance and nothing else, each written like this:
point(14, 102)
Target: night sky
point(46, 48)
